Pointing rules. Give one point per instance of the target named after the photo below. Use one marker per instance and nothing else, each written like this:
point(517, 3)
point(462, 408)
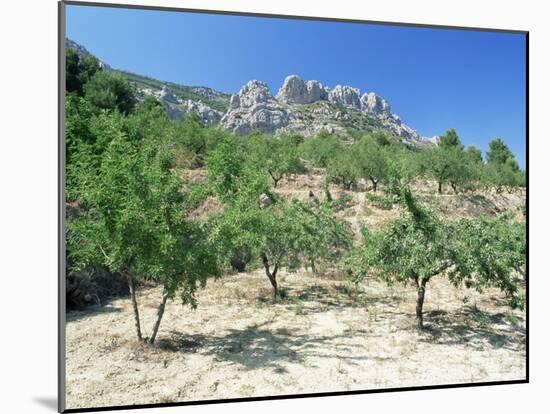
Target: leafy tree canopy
point(134, 218)
point(321, 149)
point(419, 246)
point(110, 91)
point(450, 140)
point(499, 152)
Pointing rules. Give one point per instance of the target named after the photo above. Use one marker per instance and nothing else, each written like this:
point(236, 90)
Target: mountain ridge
point(304, 107)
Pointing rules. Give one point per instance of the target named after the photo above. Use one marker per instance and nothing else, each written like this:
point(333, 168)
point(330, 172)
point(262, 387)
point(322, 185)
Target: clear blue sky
point(434, 79)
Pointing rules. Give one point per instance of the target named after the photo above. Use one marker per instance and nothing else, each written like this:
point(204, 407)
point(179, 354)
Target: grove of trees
point(125, 161)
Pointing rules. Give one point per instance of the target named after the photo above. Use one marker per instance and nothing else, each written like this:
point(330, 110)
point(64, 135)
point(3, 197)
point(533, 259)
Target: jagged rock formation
point(296, 91)
point(345, 96)
point(308, 108)
point(209, 116)
point(177, 108)
point(375, 105)
point(255, 108)
point(167, 95)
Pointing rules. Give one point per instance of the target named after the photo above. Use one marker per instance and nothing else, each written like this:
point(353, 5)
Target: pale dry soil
point(324, 337)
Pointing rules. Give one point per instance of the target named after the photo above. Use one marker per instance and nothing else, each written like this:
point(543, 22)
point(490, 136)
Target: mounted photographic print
point(257, 206)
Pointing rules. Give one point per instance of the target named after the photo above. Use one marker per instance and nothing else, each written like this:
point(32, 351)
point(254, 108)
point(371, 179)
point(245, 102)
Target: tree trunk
point(420, 304)
point(328, 196)
point(374, 184)
point(272, 276)
point(160, 312)
point(132, 288)
point(275, 179)
point(455, 189)
point(313, 268)
point(439, 187)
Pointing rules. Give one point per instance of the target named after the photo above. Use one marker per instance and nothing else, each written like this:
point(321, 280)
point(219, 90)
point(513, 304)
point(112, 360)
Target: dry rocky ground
point(325, 336)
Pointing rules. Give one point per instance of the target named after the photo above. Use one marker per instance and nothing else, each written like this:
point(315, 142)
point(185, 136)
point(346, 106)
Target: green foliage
point(418, 246)
point(382, 202)
point(437, 163)
point(150, 103)
point(501, 176)
point(382, 139)
point(450, 140)
point(192, 137)
point(225, 168)
point(486, 252)
point(79, 71)
point(502, 169)
point(134, 218)
point(473, 154)
point(450, 165)
point(287, 233)
point(341, 203)
point(110, 91)
point(278, 156)
point(321, 149)
point(499, 153)
point(372, 158)
point(343, 167)
point(281, 234)
point(323, 235)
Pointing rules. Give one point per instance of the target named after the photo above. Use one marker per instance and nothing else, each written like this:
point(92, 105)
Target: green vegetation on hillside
point(220, 103)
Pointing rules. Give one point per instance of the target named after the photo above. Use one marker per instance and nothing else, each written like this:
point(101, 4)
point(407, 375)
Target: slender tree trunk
point(132, 288)
point(272, 276)
point(420, 304)
point(439, 187)
point(455, 189)
point(160, 312)
point(275, 179)
point(313, 268)
point(328, 196)
point(374, 184)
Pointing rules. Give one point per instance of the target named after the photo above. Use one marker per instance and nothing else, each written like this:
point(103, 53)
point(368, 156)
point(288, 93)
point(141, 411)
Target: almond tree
point(284, 234)
point(134, 221)
point(343, 168)
point(279, 234)
point(278, 156)
point(372, 161)
point(413, 249)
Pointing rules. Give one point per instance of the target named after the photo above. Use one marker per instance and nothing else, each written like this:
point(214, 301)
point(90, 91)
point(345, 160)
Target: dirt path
point(323, 337)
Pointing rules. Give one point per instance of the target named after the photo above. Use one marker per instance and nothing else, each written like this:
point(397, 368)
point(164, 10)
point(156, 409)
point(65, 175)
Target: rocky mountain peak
point(346, 96)
point(255, 107)
point(373, 104)
point(296, 91)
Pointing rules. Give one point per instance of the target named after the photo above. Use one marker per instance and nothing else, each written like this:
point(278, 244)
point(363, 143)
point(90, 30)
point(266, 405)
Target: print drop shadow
point(48, 402)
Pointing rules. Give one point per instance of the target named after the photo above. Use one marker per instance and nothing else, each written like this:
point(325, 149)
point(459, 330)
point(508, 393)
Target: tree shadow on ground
point(257, 346)
point(474, 328)
point(318, 299)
